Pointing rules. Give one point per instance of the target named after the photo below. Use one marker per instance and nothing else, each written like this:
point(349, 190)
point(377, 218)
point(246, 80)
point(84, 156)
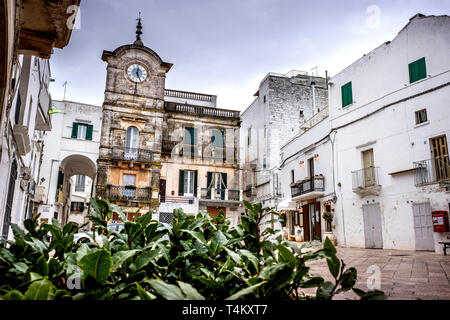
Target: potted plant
point(328, 217)
point(299, 235)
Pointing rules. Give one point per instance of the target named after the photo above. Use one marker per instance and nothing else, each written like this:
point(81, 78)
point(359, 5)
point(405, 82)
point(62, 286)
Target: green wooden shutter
point(89, 132)
point(181, 183)
point(344, 95)
point(195, 182)
point(422, 70)
point(60, 179)
point(349, 93)
point(417, 70)
point(74, 130)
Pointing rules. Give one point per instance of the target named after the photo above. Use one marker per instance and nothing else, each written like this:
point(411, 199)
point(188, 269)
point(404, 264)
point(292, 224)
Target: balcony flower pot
point(130, 187)
point(293, 184)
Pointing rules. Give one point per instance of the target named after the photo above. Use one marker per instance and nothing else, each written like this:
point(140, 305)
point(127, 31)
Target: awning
point(286, 205)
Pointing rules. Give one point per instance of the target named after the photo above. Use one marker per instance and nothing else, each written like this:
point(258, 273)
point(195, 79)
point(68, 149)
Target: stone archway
point(74, 165)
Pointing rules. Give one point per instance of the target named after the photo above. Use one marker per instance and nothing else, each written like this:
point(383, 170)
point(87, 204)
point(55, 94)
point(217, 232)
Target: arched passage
point(75, 165)
point(78, 165)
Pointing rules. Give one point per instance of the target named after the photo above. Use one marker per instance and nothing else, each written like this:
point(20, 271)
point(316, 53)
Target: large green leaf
point(324, 291)
point(144, 295)
point(236, 258)
point(190, 292)
point(120, 257)
point(97, 264)
point(195, 235)
point(12, 295)
point(39, 290)
point(217, 241)
point(245, 291)
point(144, 258)
point(167, 291)
point(334, 265)
point(286, 255)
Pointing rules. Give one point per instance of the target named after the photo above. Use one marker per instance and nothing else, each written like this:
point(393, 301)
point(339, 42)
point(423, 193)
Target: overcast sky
point(226, 47)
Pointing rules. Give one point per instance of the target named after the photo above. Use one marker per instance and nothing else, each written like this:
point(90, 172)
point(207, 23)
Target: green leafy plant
point(195, 258)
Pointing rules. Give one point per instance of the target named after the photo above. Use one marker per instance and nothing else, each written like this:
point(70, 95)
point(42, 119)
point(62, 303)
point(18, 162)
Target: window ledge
point(422, 124)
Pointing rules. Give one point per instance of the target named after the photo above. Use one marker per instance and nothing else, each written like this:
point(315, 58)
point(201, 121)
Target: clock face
point(137, 73)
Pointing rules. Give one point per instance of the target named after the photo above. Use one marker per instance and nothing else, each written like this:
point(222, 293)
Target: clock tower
point(129, 163)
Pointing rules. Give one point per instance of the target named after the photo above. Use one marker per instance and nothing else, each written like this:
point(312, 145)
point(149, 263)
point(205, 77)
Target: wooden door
point(369, 168)
point(372, 226)
point(306, 233)
point(214, 211)
point(423, 226)
point(441, 158)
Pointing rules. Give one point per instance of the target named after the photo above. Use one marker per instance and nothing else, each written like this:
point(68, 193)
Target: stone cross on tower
point(138, 41)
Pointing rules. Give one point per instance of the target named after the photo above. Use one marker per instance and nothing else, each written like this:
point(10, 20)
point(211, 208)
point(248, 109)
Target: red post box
point(440, 221)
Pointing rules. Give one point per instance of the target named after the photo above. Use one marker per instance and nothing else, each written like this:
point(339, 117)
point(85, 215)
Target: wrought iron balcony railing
point(365, 178)
point(307, 186)
point(131, 154)
point(128, 193)
point(431, 171)
point(220, 194)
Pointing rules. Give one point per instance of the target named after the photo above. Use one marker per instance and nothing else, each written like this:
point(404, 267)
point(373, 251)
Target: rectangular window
point(189, 183)
point(82, 131)
point(292, 176)
point(417, 70)
point(347, 95)
point(80, 183)
point(189, 135)
point(249, 140)
point(76, 206)
point(421, 116)
point(264, 163)
point(217, 138)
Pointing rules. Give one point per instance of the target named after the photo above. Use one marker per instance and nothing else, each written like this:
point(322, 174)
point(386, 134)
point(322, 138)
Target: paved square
point(404, 274)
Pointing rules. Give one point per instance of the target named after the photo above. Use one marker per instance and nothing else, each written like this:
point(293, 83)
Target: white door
point(372, 226)
point(423, 226)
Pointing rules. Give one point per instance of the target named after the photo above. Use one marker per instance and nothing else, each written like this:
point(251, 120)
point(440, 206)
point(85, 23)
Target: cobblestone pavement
point(405, 275)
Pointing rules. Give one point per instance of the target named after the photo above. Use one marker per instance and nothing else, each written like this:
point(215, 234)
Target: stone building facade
point(163, 149)
point(283, 104)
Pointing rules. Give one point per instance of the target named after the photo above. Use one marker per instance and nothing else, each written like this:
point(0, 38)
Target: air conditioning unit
point(22, 139)
point(39, 194)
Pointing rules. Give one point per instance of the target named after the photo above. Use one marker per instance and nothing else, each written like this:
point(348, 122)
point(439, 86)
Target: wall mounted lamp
point(316, 157)
point(301, 164)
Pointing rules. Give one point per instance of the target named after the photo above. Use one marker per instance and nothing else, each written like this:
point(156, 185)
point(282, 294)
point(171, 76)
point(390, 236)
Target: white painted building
point(71, 151)
point(21, 154)
point(307, 181)
point(390, 119)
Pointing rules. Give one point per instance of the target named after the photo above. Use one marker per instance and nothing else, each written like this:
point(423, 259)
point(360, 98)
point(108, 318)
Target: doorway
point(369, 168)
point(441, 158)
point(314, 214)
point(423, 226)
point(372, 226)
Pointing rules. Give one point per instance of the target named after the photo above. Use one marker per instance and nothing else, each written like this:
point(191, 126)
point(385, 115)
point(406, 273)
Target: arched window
point(131, 150)
point(132, 138)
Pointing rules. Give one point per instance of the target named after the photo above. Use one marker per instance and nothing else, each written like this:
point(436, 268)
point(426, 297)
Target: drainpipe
point(313, 87)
